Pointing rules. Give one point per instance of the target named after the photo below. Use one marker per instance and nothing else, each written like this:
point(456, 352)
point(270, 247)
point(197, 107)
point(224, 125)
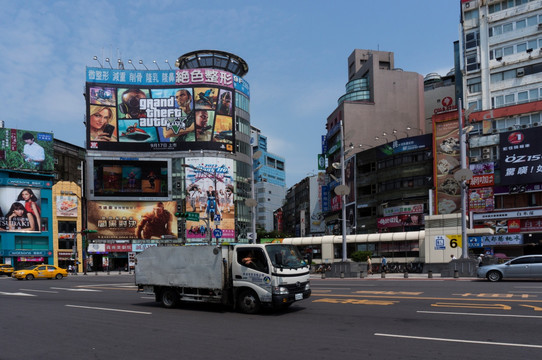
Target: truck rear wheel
point(248, 302)
point(169, 298)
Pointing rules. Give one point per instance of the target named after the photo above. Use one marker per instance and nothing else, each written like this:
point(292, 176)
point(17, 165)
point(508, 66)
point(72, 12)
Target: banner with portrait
point(210, 193)
point(26, 150)
point(20, 209)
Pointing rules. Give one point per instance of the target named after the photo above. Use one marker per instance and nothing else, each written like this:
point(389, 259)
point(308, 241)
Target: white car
point(527, 266)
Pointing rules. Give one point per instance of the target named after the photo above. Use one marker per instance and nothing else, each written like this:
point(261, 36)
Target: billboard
point(161, 110)
point(521, 157)
point(130, 178)
point(26, 150)
point(118, 220)
point(447, 161)
point(209, 187)
point(66, 205)
point(20, 209)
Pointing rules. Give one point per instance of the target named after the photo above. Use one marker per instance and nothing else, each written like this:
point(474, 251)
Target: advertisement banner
point(20, 209)
point(403, 209)
point(178, 110)
point(447, 161)
point(210, 194)
point(399, 220)
point(497, 240)
point(26, 150)
point(117, 220)
point(521, 156)
point(66, 206)
point(481, 199)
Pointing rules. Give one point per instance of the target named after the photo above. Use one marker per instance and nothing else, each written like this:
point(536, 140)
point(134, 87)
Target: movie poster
point(118, 220)
point(210, 194)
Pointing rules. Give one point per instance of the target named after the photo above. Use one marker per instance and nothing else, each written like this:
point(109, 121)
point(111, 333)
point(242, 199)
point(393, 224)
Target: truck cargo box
point(180, 266)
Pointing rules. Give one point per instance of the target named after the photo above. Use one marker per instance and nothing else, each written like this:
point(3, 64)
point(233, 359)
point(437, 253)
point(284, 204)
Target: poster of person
point(26, 150)
point(121, 220)
point(20, 209)
point(209, 193)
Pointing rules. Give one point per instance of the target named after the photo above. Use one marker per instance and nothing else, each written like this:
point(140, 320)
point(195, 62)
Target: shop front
point(21, 259)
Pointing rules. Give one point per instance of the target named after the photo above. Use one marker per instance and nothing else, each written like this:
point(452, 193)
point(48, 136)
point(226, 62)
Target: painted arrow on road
point(68, 289)
point(474, 306)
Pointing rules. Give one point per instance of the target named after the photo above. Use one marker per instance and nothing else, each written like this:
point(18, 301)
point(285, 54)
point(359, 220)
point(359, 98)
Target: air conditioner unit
point(510, 128)
point(520, 72)
point(524, 126)
point(535, 124)
point(474, 159)
point(486, 151)
point(539, 26)
point(495, 131)
point(486, 157)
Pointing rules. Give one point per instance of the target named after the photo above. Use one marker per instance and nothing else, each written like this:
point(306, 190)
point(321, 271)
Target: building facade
point(501, 56)
point(269, 181)
point(172, 163)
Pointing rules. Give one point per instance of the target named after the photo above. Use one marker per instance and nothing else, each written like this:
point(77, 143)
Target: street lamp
point(408, 128)
point(342, 190)
point(463, 175)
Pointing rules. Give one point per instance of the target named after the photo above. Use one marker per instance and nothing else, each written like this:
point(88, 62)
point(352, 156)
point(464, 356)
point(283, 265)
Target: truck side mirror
point(278, 259)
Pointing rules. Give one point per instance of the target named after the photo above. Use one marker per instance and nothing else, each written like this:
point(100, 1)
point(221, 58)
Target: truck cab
point(269, 274)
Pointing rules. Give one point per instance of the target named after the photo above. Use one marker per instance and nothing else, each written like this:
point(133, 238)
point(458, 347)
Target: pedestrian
point(70, 269)
point(453, 257)
point(384, 264)
point(369, 265)
point(480, 259)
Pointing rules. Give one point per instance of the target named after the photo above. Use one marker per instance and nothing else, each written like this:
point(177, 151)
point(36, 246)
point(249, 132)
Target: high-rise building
point(269, 181)
point(501, 62)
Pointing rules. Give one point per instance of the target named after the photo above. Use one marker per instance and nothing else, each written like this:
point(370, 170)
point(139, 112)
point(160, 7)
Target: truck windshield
point(285, 255)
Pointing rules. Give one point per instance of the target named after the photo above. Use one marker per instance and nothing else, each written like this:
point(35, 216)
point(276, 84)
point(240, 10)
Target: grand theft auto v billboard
point(132, 110)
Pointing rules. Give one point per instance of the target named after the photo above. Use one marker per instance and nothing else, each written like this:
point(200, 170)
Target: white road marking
point(108, 309)
point(460, 341)
point(15, 294)
point(479, 314)
point(43, 291)
point(68, 289)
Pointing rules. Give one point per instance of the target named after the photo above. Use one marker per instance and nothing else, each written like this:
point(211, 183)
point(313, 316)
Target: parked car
point(40, 272)
point(527, 266)
point(6, 269)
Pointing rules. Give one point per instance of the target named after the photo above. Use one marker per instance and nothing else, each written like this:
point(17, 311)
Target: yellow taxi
point(6, 269)
point(40, 272)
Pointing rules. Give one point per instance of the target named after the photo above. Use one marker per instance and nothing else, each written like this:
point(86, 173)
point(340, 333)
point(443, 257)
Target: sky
point(296, 51)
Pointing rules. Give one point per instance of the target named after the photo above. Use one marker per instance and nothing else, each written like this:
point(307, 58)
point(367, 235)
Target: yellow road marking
point(426, 298)
point(474, 306)
point(356, 301)
point(535, 308)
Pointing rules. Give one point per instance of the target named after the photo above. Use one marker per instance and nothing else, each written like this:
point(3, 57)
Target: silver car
point(527, 266)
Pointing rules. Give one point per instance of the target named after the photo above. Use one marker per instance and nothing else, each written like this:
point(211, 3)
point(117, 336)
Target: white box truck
point(245, 276)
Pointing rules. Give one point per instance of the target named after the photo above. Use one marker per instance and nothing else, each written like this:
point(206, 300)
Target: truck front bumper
point(279, 299)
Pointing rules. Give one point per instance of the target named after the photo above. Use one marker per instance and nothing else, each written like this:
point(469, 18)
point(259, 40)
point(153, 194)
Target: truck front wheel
point(169, 298)
point(248, 302)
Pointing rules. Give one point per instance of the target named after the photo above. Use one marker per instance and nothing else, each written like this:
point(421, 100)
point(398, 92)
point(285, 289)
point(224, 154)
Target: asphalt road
point(103, 317)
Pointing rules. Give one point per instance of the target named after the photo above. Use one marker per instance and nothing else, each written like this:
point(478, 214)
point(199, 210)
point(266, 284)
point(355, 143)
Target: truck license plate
point(298, 297)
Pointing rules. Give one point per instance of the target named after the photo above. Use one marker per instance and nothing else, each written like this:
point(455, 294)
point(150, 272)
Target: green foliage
point(361, 256)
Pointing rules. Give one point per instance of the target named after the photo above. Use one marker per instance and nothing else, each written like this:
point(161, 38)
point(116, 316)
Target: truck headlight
point(280, 290)
point(307, 286)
